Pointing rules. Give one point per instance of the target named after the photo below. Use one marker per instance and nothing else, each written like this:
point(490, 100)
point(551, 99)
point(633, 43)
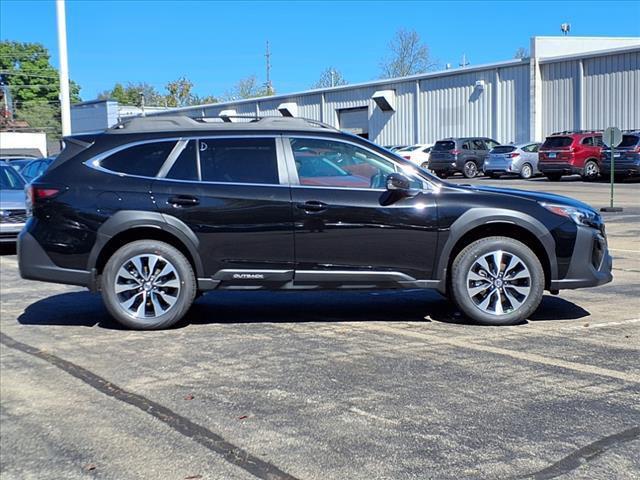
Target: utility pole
point(333, 77)
point(65, 107)
point(268, 56)
point(464, 62)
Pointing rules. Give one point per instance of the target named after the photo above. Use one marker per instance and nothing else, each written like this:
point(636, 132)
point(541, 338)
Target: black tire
point(470, 169)
point(526, 172)
point(591, 171)
point(425, 165)
point(553, 177)
point(181, 274)
point(442, 174)
point(471, 306)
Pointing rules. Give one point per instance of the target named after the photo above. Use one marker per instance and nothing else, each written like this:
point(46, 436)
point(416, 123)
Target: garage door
point(355, 120)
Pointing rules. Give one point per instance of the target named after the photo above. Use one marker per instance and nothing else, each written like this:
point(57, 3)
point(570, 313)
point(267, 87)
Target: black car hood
point(527, 195)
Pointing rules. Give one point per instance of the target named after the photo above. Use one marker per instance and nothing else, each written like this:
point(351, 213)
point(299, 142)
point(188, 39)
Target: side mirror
point(398, 182)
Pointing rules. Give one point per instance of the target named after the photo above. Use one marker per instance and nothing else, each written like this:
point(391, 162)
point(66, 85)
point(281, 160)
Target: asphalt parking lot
point(347, 385)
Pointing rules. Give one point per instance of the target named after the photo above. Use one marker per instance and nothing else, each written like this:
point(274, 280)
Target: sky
point(215, 44)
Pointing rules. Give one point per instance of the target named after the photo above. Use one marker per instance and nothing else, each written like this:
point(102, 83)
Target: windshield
point(503, 149)
point(444, 146)
point(557, 142)
point(9, 179)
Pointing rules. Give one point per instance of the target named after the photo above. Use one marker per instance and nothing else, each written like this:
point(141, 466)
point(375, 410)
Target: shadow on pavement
point(86, 309)
point(7, 248)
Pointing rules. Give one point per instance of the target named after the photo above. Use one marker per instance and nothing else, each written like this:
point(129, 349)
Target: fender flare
point(476, 217)
point(128, 219)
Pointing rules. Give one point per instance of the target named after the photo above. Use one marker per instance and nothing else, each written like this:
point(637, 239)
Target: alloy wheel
point(147, 286)
point(498, 282)
point(470, 169)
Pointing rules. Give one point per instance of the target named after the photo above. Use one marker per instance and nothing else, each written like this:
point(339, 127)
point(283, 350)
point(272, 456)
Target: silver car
point(521, 159)
point(13, 209)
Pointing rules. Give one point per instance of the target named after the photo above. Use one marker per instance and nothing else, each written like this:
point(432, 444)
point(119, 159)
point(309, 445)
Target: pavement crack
point(205, 437)
point(585, 454)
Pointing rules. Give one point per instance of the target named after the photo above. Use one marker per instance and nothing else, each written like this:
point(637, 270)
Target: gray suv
point(465, 155)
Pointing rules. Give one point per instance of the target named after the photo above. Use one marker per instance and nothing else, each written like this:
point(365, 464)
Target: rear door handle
point(183, 201)
point(312, 206)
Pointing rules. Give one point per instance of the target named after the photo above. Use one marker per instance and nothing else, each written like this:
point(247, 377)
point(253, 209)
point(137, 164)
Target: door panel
point(349, 224)
point(247, 226)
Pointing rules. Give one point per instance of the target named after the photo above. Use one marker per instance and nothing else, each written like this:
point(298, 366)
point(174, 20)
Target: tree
point(408, 56)
point(521, 53)
point(249, 88)
point(34, 85)
point(330, 77)
point(179, 92)
point(131, 94)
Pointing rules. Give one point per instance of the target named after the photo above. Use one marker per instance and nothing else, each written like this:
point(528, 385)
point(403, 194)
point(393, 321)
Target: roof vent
point(288, 109)
point(385, 99)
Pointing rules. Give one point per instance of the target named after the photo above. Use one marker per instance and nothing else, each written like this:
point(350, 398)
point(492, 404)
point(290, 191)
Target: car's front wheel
point(497, 281)
point(148, 285)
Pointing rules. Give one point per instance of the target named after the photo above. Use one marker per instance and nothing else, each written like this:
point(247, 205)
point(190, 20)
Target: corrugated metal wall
point(513, 105)
point(560, 109)
point(452, 105)
point(612, 91)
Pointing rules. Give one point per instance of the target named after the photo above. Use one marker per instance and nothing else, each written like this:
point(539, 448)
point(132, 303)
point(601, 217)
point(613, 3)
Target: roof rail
point(185, 122)
point(570, 132)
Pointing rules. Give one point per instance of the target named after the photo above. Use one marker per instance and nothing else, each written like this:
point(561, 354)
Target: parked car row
point(562, 153)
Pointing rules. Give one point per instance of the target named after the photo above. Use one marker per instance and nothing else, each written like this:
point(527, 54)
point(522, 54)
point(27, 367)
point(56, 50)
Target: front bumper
point(9, 232)
point(620, 168)
point(590, 264)
point(35, 264)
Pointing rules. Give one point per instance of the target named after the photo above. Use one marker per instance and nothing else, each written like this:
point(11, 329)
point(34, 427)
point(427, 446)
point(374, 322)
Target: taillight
point(406, 157)
point(455, 152)
point(513, 155)
point(36, 193)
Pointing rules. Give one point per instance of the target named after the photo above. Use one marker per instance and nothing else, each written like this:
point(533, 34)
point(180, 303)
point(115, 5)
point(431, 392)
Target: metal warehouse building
point(568, 83)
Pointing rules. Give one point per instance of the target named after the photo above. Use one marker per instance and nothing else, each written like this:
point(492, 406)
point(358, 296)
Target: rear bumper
point(559, 167)
point(35, 264)
point(628, 169)
point(448, 167)
point(590, 264)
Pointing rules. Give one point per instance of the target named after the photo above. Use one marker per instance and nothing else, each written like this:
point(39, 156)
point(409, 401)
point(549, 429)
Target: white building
point(568, 83)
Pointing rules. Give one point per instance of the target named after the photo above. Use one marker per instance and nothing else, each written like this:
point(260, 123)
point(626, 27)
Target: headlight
point(580, 216)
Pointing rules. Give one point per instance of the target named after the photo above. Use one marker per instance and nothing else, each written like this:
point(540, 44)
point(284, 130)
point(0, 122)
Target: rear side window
point(242, 160)
point(185, 166)
point(557, 142)
point(503, 149)
point(444, 146)
point(143, 160)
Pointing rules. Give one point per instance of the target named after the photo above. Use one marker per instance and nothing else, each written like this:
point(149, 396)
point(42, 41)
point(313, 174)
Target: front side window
point(239, 160)
point(338, 164)
point(143, 160)
point(478, 144)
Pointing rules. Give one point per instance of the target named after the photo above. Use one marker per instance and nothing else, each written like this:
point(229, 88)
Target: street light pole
point(65, 107)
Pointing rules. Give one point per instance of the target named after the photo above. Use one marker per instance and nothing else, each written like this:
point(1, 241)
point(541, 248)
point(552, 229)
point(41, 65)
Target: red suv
point(567, 153)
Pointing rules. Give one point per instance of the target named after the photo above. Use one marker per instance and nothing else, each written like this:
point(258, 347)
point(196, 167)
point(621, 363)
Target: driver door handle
point(183, 201)
point(312, 206)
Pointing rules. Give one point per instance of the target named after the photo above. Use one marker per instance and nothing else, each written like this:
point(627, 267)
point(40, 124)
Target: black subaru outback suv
point(159, 209)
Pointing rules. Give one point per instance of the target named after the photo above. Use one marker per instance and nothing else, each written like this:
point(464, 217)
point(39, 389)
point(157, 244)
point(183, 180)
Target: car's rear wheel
point(553, 177)
point(526, 172)
point(497, 281)
point(590, 171)
point(470, 169)
point(148, 285)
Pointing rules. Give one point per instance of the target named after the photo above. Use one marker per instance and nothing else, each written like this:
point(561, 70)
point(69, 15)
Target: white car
point(418, 154)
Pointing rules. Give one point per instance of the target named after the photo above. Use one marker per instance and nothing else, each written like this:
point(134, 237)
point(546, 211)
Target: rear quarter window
point(557, 142)
point(144, 160)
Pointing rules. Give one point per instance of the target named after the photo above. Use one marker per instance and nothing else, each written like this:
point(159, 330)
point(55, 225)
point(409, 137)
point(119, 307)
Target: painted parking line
point(519, 355)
